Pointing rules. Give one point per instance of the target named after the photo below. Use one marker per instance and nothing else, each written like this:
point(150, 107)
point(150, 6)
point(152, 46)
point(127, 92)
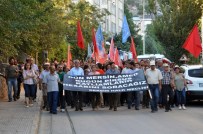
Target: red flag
point(133, 49)
point(111, 51)
point(80, 37)
point(117, 59)
point(193, 42)
point(96, 51)
point(69, 58)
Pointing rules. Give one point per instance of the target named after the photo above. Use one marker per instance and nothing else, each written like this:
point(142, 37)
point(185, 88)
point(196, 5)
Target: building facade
point(112, 23)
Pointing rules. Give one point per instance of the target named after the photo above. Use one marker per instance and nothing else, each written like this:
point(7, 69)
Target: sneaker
point(179, 107)
point(184, 108)
point(26, 106)
point(31, 104)
point(62, 110)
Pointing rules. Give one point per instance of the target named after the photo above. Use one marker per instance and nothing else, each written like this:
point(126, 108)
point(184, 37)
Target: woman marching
point(29, 77)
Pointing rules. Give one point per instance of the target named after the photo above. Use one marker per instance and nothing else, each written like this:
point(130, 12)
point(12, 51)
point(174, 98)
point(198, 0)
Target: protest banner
point(106, 83)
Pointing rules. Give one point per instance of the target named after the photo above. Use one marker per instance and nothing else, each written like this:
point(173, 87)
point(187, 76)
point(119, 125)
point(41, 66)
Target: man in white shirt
point(77, 96)
point(42, 85)
point(154, 77)
point(51, 82)
point(35, 68)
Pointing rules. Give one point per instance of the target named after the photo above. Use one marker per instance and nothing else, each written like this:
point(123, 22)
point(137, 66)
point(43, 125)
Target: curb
point(36, 121)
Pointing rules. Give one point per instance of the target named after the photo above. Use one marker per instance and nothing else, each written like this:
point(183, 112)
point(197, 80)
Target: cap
point(47, 64)
point(165, 65)
point(152, 63)
point(176, 66)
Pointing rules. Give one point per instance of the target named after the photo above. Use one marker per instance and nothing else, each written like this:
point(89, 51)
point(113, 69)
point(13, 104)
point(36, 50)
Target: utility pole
point(143, 26)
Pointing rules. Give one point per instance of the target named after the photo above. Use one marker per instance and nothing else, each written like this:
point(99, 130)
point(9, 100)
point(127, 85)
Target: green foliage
point(29, 26)
point(89, 17)
point(173, 27)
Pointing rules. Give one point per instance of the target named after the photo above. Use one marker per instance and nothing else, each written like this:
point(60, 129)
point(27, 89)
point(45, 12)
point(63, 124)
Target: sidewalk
point(15, 118)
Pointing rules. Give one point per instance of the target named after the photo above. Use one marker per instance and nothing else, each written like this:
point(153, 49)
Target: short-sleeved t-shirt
point(52, 82)
point(43, 74)
point(153, 76)
point(11, 71)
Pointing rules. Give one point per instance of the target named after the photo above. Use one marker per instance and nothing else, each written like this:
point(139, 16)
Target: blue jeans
point(181, 97)
point(29, 90)
point(12, 84)
point(154, 89)
point(53, 100)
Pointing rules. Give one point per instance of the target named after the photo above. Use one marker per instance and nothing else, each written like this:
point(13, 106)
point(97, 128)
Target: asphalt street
point(125, 121)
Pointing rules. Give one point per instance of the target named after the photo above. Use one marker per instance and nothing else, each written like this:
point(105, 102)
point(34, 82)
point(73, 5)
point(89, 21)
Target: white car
point(194, 76)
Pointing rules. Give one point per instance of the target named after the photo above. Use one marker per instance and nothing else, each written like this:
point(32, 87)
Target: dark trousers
point(29, 90)
point(154, 89)
point(35, 92)
point(69, 98)
point(53, 100)
point(167, 91)
point(133, 96)
point(113, 100)
point(19, 88)
point(146, 98)
point(123, 98)
point(95, 99)
point(78, 99)
point(61, 96)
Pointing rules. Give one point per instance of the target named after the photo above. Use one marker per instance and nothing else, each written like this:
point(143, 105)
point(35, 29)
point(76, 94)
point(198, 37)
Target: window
point(104, 2)
point(113, 8)
point(113, 27)
point(120, 13)
point(196, 73)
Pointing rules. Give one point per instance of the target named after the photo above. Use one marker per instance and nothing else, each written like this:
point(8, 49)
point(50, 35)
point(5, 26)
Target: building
point(113, 22)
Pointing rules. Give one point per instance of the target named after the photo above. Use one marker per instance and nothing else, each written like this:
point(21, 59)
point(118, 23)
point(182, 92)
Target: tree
point(89, 17)
point(173, 26)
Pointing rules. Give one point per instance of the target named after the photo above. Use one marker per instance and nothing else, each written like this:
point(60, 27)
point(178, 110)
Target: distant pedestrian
point(180, 85)
point(154, 77)
point(113, 97)
point(51, 81)
point(29, 85)
point(11, 74)
point(95, 97)
point(42, 85)
point(77, 95)
point(167, 84)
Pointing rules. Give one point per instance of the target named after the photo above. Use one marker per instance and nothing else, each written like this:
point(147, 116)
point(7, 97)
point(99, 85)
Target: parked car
point(194, 76)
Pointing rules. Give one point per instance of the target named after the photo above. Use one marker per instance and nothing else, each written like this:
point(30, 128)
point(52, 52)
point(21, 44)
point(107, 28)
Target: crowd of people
point(167, 85)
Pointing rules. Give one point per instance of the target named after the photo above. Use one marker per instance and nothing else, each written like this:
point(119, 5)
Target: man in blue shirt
point(113, 97)
point(77, 96)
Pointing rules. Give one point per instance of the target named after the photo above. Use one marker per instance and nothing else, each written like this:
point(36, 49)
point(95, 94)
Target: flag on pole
point(117, 59)
point(125, 30)
point(95, 48)
point(193, 42)
point(80, 37)
point(111, 50)
point(99, 38)
point(133, 50)
point(89, 51)
point(69, 58)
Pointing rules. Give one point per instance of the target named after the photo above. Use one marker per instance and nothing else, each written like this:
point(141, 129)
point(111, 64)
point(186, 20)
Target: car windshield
point(196, 73)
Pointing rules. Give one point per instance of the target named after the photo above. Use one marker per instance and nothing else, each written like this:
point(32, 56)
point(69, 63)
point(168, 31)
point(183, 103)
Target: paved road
point(126, 121)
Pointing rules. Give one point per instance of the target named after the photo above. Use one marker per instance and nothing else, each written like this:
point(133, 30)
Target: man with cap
point(167, 83)
point(42, 84)
point(154, 77)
